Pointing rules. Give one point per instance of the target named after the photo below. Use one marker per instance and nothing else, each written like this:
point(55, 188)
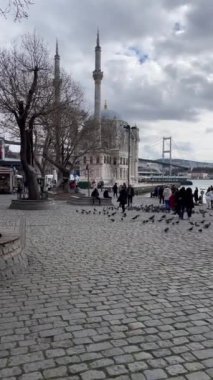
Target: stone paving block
point(123, 359)
point(198, 376)
point(93, 375)
point(54, 353)
point(55, 372)
point(155, 374)
point(32, 376)
point(99, 346)
point(176, 369)
point(116, 370)
point(76, 368)
point(64, 360)
point(194, 366)
point(204, 354)
point(138, 376)
point(7, 372)
point(137, 366)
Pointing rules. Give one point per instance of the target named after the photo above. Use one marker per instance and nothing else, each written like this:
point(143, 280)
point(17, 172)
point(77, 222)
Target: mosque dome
point(109, 114)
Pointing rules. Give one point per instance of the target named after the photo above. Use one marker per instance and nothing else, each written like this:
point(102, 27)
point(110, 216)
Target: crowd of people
point(124, 194)
point(177, 200)
point(180, 200)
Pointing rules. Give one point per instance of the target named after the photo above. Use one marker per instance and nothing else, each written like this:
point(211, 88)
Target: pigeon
point(206, 225)
point(135, 217)
point(76, 210)
point(166, 229)
point(202, 221)
point(113, 213)
point(191, 223)
point(190, 229)
point(112, 220)
point(177, 221)
point(200, 230)
point(152, 217)
point(122, 219)
point(124, 215)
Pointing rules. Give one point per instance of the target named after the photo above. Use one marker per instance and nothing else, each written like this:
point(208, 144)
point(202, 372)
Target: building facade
point(110, 162)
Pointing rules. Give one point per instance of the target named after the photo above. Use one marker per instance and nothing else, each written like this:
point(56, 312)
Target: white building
point(110, 163)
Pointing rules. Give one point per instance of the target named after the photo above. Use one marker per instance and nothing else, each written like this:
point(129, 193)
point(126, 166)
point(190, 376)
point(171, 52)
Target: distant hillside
point(188, 163)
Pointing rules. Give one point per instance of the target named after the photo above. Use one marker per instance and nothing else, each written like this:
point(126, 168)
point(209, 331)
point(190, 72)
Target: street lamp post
point(88, 179)
point(128, 167)
point(129, 129)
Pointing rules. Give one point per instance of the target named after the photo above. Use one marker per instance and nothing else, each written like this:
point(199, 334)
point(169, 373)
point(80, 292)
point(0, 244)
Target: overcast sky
point(157, 59)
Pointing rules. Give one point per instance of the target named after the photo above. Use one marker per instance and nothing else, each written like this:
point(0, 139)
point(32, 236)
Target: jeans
point(167, 205)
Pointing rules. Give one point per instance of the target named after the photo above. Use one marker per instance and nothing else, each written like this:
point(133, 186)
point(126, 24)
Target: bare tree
point(17, 7)
point(25, 94)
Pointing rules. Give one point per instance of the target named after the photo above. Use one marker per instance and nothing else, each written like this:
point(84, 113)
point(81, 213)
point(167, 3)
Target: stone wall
point(12, 258)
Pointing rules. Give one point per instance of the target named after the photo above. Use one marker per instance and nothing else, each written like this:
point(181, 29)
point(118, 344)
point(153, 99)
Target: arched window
point(91, 160)
point(97, 160)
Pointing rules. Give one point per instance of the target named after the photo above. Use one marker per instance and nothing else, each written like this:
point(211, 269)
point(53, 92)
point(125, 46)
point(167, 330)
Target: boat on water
point(168, 179)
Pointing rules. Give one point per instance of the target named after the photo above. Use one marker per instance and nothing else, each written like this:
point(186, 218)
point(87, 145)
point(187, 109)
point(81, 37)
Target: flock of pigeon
point(165, 217)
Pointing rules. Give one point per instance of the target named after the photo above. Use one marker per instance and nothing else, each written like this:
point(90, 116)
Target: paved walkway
point(105, 299)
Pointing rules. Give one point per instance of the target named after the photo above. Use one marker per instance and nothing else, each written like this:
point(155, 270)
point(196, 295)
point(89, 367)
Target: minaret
point(57, 79)
point(57, 113)
point(97, 76)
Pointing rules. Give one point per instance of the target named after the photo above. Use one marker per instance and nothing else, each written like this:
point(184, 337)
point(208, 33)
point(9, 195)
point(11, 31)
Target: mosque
point(118, 140)
point(110, 164)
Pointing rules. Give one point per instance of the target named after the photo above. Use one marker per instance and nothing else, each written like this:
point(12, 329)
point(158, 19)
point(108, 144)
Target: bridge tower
point(167, 149)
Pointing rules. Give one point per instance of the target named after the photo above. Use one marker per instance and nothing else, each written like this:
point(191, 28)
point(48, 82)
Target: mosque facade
point(118, 141)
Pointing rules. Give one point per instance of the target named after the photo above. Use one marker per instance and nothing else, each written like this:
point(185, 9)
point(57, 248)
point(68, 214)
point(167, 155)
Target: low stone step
point(87, 201)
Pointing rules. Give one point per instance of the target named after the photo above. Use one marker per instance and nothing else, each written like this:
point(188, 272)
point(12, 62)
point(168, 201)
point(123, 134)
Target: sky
point(157, 59)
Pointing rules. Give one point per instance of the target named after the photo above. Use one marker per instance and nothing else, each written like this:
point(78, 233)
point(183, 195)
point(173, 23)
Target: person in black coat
point(180, 202)
point(189, 204)
point(115, 190)
point(131, 194)
point(95, 195)
point(123, 197)
point(196, 196)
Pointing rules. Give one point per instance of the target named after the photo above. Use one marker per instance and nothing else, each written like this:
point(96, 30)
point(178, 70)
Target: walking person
point(123, 198)
point(166, 195)
point(196, 196)
point(189, 204)
point(95, 195)
point(180, 197)
point(209, 197)
point(131, 194)
point(115, 190)
point(160, 195)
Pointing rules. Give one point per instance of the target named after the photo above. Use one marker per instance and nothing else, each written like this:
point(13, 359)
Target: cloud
point(156, 56)
point(209, 130)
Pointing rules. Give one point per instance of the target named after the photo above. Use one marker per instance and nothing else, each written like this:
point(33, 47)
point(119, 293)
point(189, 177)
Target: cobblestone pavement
point(106, 299)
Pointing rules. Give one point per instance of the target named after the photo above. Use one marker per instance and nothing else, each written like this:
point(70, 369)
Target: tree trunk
point(63, 183)
point(32, 184)
point(30, 174)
